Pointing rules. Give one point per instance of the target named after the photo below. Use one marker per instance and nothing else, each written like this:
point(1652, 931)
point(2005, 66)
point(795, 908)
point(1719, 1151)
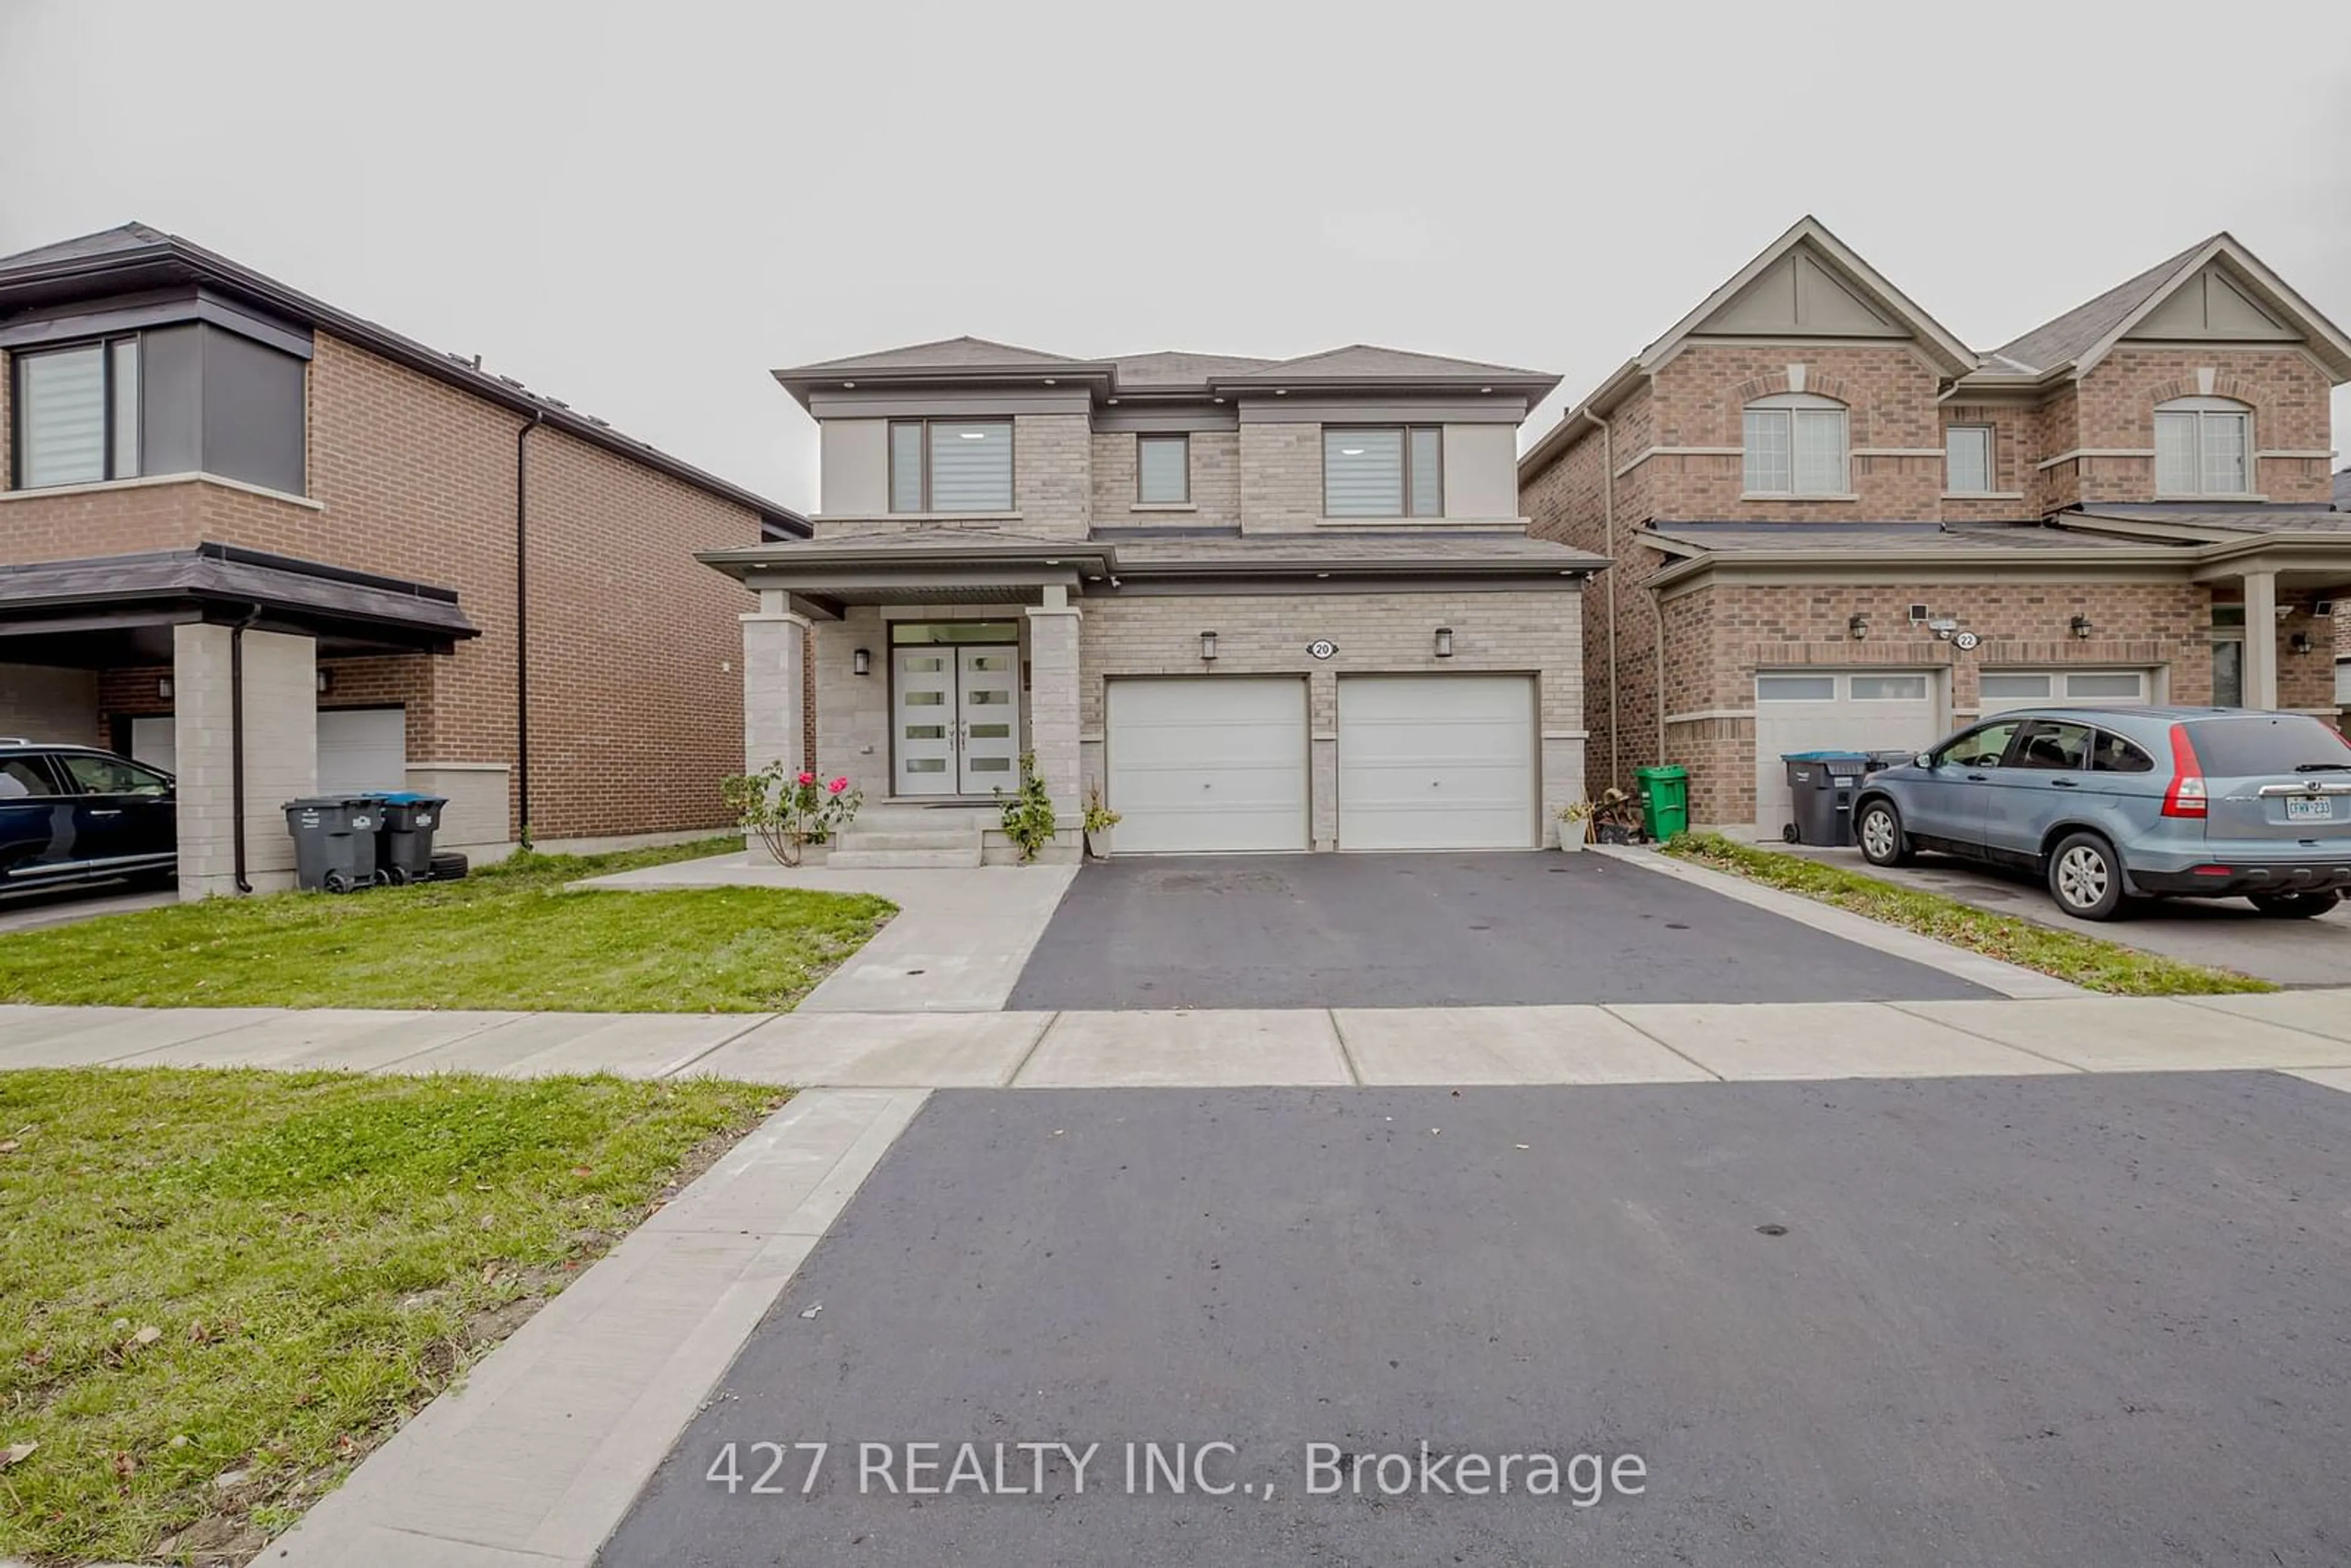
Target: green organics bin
point(1664, 799)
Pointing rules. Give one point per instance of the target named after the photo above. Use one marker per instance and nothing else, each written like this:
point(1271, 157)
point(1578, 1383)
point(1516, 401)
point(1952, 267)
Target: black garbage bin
point(1820, 788)
point(404, 838)
point(334, 841)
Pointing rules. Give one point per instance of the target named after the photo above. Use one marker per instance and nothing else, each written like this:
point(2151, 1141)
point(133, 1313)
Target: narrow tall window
point(1966, 459)
point(1795, 446)
point(906, 467)
point(2203, 446)
point(1383, 472)
point(1163, 469)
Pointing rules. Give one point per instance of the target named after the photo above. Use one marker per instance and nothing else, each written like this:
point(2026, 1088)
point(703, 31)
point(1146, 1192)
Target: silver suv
point(2109, 804)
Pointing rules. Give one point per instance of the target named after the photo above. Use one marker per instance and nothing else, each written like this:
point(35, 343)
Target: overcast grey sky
point(641, 208)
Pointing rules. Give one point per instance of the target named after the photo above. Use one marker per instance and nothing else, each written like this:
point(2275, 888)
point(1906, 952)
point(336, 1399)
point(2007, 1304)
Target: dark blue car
point(74, 814)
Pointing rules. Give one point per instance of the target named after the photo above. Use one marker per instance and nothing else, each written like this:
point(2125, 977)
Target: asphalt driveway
point(2226, 931)
point(1987, 1321)
point(1433, 930)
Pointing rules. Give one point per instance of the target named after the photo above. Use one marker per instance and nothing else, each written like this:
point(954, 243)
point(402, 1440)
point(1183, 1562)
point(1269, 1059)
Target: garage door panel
point(1207, 764)
point(362, 748)
point(1837, 721)
point(1437, 762)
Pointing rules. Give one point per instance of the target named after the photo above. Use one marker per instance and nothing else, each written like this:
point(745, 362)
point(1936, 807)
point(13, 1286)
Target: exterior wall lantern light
point(163, 688)
point(1445, 641)
point(1207, 647)
point(326, 680)
point(2080, 626)
point(861, 663)
point(1856, 626)
point(2299, 642)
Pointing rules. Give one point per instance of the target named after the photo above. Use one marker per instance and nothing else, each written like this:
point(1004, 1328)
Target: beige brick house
point(1260, 605)
point(1834, 524)
point(426, 575)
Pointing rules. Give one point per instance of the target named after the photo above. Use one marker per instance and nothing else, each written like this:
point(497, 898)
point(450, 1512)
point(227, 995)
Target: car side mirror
point(1925, 759)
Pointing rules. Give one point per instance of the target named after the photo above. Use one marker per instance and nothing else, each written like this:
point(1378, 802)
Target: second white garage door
point(1437, 762)
point(362, 748)
point(1208, 763)
point(1836, 710)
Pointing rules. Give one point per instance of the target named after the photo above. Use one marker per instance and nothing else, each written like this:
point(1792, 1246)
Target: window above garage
point(184, 398)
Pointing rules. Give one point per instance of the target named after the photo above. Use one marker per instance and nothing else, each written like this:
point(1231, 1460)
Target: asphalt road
point(1433, 930)
point(2051, 1320)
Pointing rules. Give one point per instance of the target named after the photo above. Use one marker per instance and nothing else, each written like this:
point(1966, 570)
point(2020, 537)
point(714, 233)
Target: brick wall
point(636, 647)
point(43, 703)
point(1053, 474)
point(1216, 482)
point(2289, 394)
point(1280, 476)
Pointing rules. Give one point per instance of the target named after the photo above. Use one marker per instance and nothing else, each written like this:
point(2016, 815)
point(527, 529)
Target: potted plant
point(1099, 821)
point(787, 811)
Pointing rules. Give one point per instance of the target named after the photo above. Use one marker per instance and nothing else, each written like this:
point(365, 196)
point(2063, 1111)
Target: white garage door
point(2004, 689)
point(1836, 710)
point(1208, 763)
point(153, 742)
point(362, 748)
point(1437, 762)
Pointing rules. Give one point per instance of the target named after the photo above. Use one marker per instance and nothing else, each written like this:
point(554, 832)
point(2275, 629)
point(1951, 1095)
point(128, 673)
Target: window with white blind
point(77, 415)
point(1163, 469)
point(1370, 471)
point(1795, 446)
point(951, 465)
point(2203, 446)
point(1966, 459)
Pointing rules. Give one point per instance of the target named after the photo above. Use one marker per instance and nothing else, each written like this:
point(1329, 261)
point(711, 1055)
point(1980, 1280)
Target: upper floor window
point(2203, 446)
point(951, 465)
point(182, 399)
point(1392, 471)
point(1966, 459)
point(77, 415)
point(1795, 446)
point(1163, 469)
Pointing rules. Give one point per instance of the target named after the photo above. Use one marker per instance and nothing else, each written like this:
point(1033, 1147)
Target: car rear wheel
point(1879, 832)
point(2294, 905)
point(2086, 877)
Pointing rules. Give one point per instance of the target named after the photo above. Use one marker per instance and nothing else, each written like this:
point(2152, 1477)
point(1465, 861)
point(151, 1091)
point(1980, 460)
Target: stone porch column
point(1053, 702)
point(281, 754)
point(775, 683)
point(2261, 639)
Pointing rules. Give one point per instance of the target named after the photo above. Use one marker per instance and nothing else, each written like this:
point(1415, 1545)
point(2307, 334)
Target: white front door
point(1437, 762)
point(1208, 762)
point(989, 682)
point(957, 713)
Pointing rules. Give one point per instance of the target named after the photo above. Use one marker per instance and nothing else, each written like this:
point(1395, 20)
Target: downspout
point(522, 627)
point(237, 746)
point(1608, 537)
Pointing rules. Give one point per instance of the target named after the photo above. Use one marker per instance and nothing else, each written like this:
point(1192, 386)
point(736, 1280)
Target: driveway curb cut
point(2010, 980)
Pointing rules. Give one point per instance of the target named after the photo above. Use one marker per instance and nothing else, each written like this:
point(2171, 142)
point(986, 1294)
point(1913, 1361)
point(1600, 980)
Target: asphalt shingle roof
point(1875, 539)
point(2066, 337)
point(944, 353)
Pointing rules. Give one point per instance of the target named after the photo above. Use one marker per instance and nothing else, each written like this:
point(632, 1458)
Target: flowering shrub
point(787, 811)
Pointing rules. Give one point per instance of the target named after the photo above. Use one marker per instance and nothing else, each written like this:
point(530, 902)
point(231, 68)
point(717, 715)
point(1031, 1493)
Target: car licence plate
point(2309, 809)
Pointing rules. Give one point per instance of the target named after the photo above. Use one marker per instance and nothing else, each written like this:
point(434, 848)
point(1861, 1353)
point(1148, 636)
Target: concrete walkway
point(1625, 1043)
point(958, 941)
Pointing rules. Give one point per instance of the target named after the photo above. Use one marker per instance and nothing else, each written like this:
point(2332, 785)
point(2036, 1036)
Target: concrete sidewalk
point(1628, 1043)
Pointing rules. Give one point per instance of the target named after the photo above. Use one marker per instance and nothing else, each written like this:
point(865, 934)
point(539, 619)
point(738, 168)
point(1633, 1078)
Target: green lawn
point(218, 1289)
point(511, 936)
point(2085, 961)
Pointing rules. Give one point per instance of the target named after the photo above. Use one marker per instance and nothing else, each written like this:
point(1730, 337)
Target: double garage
point(1901, 710)
point(359, 748)
point(1214, 763)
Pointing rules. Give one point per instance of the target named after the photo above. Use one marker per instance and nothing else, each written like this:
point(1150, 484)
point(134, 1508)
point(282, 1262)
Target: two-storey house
point(1835, 525)
point(1256, 604)
point(272, 547)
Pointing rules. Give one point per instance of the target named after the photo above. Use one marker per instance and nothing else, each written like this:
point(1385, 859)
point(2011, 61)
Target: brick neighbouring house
point(205, 465)
point(1257, 604)
point(1837, 524)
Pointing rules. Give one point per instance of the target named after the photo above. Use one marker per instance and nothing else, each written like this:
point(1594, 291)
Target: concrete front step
point(846, 859)
point(860, 839)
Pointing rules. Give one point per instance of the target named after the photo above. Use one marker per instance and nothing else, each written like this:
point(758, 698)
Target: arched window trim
point(2203, 446)
point(1794, 444)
